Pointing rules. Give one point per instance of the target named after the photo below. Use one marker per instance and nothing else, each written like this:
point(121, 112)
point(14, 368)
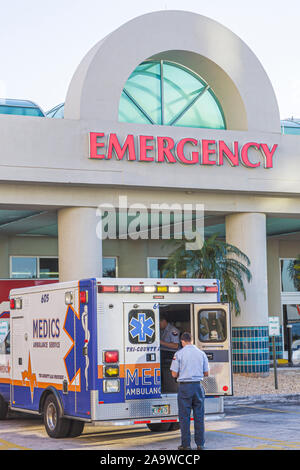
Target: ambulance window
point(212, 325)
point(4, 337)
point(141, 326)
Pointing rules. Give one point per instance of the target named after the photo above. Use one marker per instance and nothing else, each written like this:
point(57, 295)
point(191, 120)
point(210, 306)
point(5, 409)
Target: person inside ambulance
point(169, 336)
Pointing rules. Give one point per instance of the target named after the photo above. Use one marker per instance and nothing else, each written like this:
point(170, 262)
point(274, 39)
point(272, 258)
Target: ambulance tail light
point(83, 296)
point(111, 371)
point(111, 386)
point(15, 304)
point(110, 357)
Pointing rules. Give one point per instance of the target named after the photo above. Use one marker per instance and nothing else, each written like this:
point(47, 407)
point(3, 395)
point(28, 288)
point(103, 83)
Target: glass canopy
point(56, 112)
point(165, 93)
point(290, 126)
point(20, 107)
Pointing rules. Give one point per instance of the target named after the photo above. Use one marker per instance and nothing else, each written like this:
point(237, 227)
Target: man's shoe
point(183, 448)
point(200, 448)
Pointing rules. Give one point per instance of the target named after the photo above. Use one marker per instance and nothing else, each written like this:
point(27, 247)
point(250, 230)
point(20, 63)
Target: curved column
point(79, 247)
point(247, 231)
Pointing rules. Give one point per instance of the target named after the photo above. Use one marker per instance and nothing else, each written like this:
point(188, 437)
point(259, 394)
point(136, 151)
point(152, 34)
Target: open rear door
point(212, 332)
point(142, 351)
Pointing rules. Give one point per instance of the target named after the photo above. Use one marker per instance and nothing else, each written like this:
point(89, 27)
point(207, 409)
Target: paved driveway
point(245, 426)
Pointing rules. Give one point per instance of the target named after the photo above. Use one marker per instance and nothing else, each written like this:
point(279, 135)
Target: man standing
point(189, 366)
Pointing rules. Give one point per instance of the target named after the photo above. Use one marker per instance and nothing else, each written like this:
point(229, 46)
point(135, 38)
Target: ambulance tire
point(76, 428)
point(3, 408)
point(56, 426)
point(159, 427)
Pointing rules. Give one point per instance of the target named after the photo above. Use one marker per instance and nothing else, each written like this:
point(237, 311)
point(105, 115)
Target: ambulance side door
point(141, 350)
point(212, 333)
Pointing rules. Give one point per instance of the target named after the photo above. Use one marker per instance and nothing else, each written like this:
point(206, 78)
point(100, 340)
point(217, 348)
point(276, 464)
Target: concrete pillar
point(247, 231)
point(79, 247)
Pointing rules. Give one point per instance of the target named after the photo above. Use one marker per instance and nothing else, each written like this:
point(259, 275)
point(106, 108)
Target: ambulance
point(88, 351)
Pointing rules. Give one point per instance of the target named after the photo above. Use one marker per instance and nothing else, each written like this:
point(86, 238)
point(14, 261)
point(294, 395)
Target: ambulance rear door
point(142, 351)
point(212, 333)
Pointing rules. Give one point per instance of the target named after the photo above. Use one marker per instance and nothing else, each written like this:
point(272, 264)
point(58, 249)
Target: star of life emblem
point(141, 327)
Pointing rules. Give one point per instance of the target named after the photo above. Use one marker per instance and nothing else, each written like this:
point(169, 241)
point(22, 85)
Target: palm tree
point(215, 260)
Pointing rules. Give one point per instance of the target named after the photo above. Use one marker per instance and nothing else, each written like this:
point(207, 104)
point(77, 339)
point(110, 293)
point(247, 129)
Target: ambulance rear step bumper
point(132, 422)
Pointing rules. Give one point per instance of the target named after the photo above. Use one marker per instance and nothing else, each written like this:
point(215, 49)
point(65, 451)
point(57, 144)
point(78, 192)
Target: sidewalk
point(262, 389)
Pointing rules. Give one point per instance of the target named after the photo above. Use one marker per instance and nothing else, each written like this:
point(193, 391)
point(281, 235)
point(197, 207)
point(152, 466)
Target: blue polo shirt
point(190, 363)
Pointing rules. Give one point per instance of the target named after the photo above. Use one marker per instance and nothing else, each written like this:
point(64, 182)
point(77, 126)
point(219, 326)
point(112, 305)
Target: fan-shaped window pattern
point(165, 93)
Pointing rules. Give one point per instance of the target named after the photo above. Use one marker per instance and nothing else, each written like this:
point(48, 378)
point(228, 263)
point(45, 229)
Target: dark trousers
point(191, 397)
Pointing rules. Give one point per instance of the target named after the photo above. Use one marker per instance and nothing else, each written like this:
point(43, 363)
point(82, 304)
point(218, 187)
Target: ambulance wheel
point(159, 427)
point(56, 426)
point(76, 428)
point(3, 408)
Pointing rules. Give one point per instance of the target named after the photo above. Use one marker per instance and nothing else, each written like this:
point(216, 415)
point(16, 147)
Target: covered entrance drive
point(31, 247)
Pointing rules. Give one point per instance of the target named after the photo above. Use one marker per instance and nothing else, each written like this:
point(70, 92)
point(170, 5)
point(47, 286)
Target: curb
point(268, 398)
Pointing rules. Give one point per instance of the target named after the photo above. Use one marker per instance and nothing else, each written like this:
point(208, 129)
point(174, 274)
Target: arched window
point(166, 93)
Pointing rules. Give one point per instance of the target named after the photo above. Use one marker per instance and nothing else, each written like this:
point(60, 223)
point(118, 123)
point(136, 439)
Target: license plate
point(160, 410)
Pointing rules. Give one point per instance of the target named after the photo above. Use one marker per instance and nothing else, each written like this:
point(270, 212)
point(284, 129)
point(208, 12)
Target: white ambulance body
point(89, 351)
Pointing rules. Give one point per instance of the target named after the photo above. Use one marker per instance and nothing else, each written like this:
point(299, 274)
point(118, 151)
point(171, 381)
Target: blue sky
point(42, 42)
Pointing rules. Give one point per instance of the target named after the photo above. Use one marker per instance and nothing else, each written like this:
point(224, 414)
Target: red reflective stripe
point(169, 421)
point(141, 422)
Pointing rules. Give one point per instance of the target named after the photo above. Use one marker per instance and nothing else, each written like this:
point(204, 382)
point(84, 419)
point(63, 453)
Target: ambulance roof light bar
point(140, 289)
